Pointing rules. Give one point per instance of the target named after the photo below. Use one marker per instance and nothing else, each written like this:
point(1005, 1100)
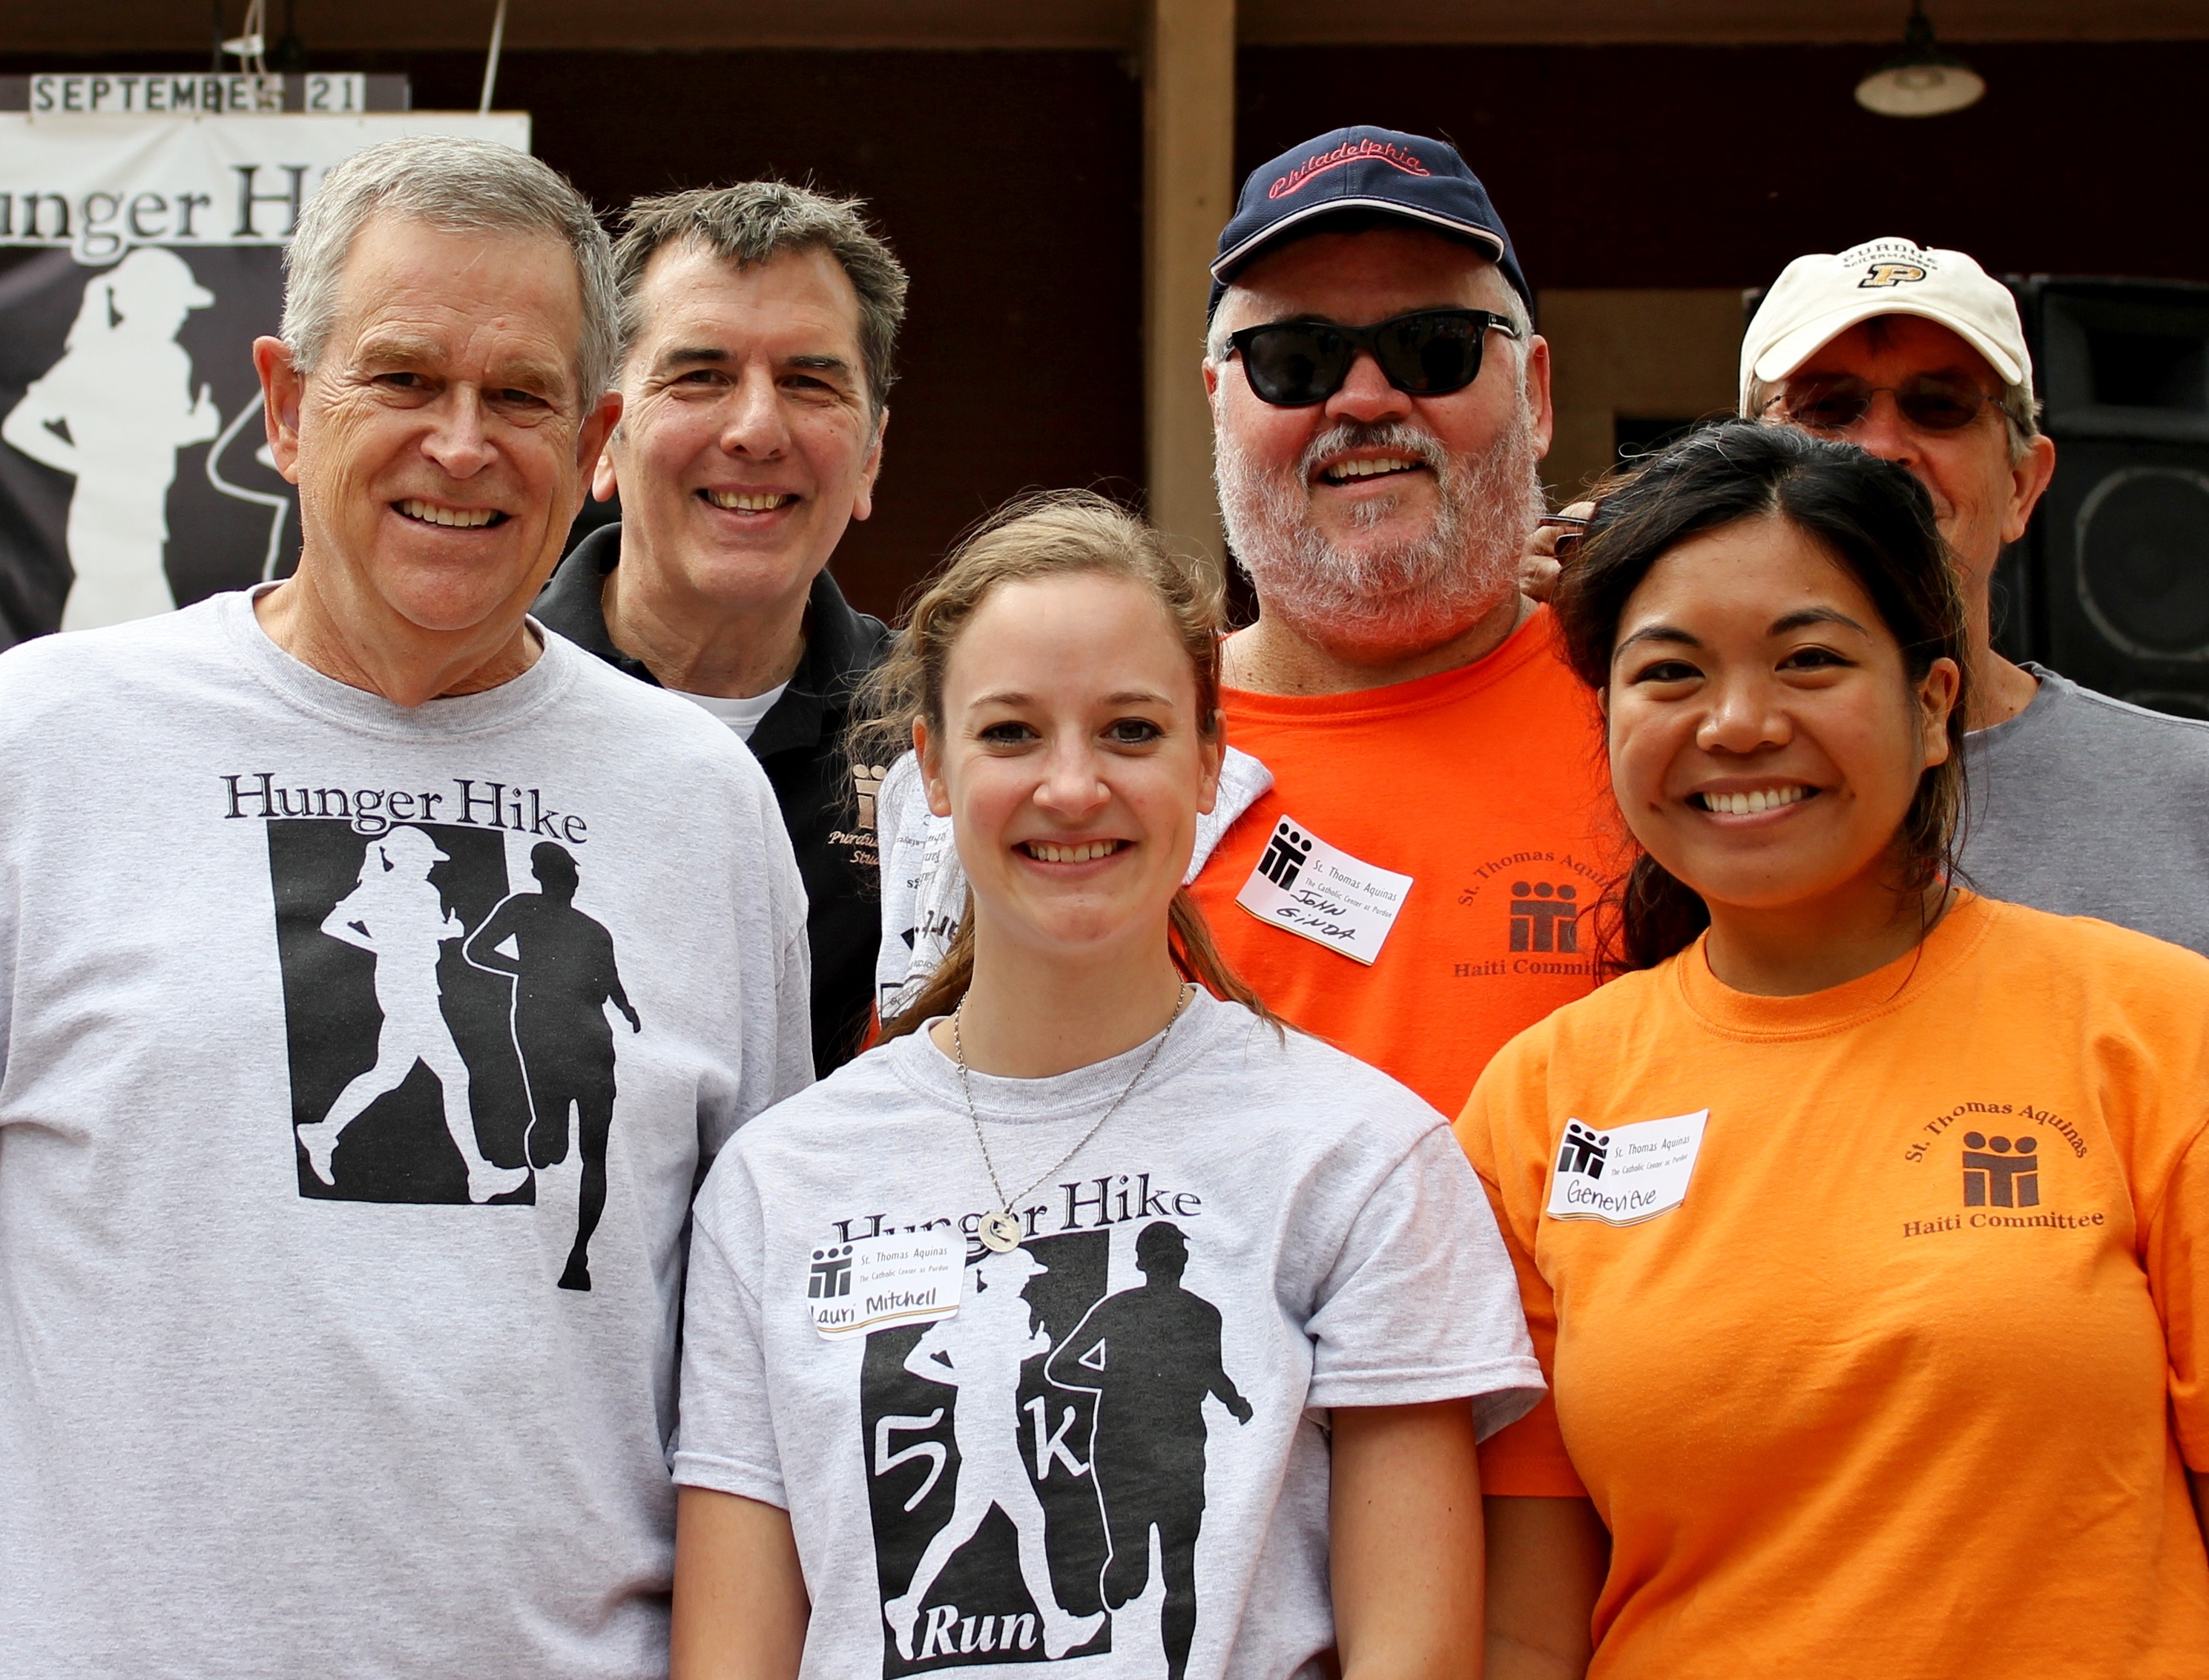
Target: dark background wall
point(1010, 183)
point(1703, 166)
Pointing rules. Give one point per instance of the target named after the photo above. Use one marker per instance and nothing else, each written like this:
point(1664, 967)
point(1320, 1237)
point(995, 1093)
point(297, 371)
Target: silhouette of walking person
point(1151, 1355)
point(396, 911)
point(979, 1351)
point(113, 412)
point(564, 976)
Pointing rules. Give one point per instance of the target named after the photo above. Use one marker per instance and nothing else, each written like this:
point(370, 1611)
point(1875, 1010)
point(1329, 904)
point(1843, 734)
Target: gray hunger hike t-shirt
point(2086, 806)
point(295, 986)
point(1263, 1231)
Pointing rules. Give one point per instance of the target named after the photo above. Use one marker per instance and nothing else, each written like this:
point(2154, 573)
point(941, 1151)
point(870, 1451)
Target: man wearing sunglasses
point(2079, 803)
point(1411, 887)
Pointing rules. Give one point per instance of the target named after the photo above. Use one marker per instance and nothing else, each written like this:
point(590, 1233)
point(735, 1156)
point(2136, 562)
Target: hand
point(635, 1022)
point(1241, 1408)
point(1539, 567)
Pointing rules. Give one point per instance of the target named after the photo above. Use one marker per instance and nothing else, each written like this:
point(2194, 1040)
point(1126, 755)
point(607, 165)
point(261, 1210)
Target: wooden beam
point(1188, 192)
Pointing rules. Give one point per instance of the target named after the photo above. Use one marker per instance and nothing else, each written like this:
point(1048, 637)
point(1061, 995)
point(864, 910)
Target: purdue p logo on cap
point(1890, 273)
point(1818, 297)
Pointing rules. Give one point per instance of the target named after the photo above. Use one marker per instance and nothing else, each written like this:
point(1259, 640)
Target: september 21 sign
point(139, 257)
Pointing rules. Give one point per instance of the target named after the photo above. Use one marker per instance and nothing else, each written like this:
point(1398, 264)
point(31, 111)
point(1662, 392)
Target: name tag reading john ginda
point(872, 1282)
point(1324, 895)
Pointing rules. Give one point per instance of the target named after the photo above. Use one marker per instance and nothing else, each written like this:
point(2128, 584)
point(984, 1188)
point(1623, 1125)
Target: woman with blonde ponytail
point(1089, 1256)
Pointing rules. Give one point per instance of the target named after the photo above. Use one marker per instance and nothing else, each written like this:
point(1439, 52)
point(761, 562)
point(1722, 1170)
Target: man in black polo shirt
point(762, 322)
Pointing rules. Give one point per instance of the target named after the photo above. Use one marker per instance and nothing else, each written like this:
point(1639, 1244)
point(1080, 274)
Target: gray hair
point(2020, 412)
point(755, 221)
point(456, 186)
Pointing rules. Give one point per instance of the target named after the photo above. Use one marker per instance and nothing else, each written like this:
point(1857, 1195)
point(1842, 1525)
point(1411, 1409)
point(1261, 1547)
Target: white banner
point(139, 260)
point(102, 185)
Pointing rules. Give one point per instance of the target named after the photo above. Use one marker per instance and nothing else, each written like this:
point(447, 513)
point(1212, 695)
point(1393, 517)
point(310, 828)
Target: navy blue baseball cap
point(1423, 181)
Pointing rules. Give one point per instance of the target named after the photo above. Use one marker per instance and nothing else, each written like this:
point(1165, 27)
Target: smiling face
point(747, 445)
point(1981, 497)
point(1071, 763)
point(1766, 739)
point(440, 443)
point(1376, 520)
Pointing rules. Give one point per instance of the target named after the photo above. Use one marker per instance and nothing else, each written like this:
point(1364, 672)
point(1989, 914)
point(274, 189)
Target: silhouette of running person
point(396, 911)
point(113, 412)
point(979, 1351)
point(564, 976)
point(1151, 1355)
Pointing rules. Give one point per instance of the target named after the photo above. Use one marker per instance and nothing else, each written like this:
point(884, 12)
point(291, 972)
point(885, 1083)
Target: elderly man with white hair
point(337, 1304)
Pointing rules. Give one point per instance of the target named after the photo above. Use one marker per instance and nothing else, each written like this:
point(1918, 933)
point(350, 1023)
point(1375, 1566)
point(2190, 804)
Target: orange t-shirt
point(1487, 786)
point(1899, 1372)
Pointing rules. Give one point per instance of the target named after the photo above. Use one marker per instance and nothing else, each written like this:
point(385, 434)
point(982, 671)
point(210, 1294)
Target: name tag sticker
point(1320, 893)
point(901, 1278)
point(1628, 1174)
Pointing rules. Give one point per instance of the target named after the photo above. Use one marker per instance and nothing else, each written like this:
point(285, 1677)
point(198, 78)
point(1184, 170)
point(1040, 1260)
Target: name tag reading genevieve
point(1323, 894)
point(901, 1278)
point(1628, 1174)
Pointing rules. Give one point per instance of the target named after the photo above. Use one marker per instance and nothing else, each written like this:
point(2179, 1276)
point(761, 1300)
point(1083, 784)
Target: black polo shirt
point(826, 805)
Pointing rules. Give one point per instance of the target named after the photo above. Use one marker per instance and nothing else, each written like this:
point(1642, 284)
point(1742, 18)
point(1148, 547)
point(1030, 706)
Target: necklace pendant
point(1000, 1231)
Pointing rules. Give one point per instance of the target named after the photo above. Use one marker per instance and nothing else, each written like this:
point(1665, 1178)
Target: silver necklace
point(1001, 1230)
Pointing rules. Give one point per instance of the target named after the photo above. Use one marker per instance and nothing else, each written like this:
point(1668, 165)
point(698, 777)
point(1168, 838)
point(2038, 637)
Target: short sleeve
point(775, 1020)
point(900, 834)
point(2177, 1256)
point(1508, 1147)
point(725, 1437)
point(1419, 1304)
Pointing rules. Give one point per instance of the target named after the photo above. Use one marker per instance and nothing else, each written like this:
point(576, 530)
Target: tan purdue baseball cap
point(1817, 298)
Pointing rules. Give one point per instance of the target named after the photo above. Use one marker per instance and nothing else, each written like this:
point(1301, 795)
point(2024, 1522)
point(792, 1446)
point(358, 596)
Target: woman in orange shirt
point(1862, 1223)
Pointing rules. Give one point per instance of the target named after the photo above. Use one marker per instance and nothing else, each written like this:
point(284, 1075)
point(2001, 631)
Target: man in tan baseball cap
point(2079, 803)
point(1917, 356)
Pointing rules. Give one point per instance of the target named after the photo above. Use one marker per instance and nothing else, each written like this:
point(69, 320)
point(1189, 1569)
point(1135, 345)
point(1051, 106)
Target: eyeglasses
point(1427, 353)
point(1929, 402)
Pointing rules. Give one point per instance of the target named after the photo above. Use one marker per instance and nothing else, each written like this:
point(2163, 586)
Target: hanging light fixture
point(1923, 81)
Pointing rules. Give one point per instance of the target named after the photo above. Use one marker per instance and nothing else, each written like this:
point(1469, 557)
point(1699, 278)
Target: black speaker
point(2114, 582)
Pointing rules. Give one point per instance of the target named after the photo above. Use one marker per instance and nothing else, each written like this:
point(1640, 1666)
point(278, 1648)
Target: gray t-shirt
point(317, 1016)
point(2085, 806)
point(1262, 1232)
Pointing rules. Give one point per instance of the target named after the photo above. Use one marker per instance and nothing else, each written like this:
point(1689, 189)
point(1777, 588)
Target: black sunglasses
point(1427, 353)
point(1930, 403)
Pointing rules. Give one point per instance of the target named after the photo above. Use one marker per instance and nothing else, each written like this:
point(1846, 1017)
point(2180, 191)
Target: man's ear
point(931, 768)
point(2028, 479)
point(1542, 415)
point(606, 479)
point(863, 508)
point(281, 389)
point(596, 428)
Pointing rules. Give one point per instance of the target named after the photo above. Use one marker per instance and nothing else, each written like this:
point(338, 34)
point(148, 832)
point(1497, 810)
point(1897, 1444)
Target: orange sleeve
point(1504, 1130)
point(2177, 1255)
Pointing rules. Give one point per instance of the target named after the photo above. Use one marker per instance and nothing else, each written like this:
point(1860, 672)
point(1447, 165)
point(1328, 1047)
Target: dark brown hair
point(1871, 517)
point(1063, 534)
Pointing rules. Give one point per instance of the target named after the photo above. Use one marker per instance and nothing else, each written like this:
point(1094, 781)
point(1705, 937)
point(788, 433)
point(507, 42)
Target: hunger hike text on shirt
point(1092, 1204)
point(374, 810)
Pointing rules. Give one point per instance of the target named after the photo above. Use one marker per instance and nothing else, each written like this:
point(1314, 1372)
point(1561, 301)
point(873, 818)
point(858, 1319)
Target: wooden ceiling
point(327, 26)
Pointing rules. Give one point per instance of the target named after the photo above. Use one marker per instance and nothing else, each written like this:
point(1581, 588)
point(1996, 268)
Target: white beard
point(1414, 594)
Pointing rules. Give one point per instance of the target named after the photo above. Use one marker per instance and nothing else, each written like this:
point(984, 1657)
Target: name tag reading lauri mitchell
point(911, 1277)
point(1320, 893)
point(1628, 1174)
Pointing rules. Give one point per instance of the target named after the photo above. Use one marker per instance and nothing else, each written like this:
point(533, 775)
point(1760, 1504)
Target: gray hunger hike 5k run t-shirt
point(2085, 806)
point(296, 985)
point(1113, 1450)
